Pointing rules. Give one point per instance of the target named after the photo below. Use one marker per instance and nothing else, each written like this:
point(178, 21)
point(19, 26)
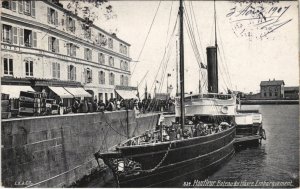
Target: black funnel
point(212, 69)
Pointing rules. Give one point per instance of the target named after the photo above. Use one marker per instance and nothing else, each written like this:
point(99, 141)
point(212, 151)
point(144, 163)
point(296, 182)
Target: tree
point(91, 10)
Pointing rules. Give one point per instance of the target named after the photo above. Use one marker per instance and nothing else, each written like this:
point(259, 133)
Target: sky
point(256, 42)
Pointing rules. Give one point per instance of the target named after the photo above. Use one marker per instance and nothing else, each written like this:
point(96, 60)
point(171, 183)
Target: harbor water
point(274, 163)
point(276, 160)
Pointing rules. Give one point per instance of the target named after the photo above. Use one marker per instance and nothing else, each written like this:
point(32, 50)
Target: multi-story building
point(272, 89)
point(44, 44)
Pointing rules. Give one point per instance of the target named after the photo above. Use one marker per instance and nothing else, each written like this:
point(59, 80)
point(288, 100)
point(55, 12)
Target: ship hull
point(186, 159)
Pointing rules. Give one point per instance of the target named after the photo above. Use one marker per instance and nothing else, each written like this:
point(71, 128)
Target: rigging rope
point(146, 38)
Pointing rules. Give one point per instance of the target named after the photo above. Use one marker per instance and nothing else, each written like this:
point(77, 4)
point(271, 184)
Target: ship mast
point(216, 45)
point(181, 64)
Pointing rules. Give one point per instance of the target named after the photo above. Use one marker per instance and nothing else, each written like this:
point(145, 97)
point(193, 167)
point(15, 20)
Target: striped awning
point(14, 90)
point(78, 92)
point(61, 92)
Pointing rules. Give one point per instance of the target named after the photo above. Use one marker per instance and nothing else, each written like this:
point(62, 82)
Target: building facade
point(42, 42)
point(291, 93)
point(272, 89)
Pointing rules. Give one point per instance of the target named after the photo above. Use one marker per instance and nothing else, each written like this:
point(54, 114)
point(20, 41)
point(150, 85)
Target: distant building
point(43, 44)
point(291, 93)
point(272, 89)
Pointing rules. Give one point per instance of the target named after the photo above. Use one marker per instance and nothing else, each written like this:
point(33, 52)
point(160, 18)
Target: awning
point(61, 92)
point(14, 90)
point(78, 92)
point(125, 94)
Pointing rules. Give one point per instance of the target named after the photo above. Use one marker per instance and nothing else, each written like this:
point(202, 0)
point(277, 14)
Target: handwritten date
point(257, 19)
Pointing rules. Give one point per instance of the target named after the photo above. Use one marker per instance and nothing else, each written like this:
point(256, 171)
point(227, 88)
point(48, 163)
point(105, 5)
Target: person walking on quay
point(110, 106)
point(118, 104)
point(101, 106)
point(95, 106)
point(90, 106)
point(75, 106)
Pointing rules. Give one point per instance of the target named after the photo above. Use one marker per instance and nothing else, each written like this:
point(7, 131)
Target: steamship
point(199, 140)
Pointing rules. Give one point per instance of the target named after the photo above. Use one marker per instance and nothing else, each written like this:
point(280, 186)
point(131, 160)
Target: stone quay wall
point(56, 151)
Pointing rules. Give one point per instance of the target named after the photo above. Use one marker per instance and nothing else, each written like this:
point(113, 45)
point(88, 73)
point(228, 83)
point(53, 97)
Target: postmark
point(258, 19)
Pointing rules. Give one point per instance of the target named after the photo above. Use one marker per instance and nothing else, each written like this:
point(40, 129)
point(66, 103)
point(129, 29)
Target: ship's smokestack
point(212, 69)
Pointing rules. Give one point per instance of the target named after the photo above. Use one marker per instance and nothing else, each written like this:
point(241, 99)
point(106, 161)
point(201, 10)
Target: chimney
point(212, 69)
point(273, 79)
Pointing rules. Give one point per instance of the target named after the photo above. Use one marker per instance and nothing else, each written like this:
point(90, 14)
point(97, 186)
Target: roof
point(273, 82)
point(291, 88)
point(60, 7)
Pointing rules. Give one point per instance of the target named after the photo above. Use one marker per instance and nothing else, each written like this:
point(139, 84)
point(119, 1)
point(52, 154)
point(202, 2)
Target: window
point(27, 7)
point(9, 34)
point(55, 70)
point(121, 79)
point(126, 66)
point(53, 44)
point(88, 75)
point(30, 38)
point(110, 43)
point(122, 64)
point(6, 4)
point(29, 68)
point(125, 50)
point(8, 66)
point(70, 24)
point(111, 61)
point(6, 33)
point(101, 77)
point(9, 4)
point(87, 54)
point(101, 58)
point(111, 79)
point(71, 73)
point(71, 49)
point(121, 48)
point(102, 41)
point(52, 16)
point(125, 80)
point(87, 33)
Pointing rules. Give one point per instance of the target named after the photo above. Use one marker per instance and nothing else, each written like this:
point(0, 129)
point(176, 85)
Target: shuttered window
point(33, 8)
point(20, 6)
point(111, 61)
point(70, 24)
point(7, 33)
point(55, 70)
point(101, 58)
point(111, 79)
point(15, 34)
point(53, 44)
point(87, 54)
point(88, 73)
point(101, 77)
point(52, 16)
point(71, 73)
point(21, 37)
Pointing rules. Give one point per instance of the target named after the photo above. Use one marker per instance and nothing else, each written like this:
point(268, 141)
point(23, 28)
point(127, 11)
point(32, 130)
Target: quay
point(263, 102)
point(57, 150)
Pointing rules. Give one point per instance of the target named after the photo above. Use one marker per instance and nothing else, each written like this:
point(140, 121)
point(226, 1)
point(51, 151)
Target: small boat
point(192, 146)
point(249, 128)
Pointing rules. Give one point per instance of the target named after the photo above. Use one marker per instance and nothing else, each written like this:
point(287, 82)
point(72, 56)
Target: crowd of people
point(142, 106)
